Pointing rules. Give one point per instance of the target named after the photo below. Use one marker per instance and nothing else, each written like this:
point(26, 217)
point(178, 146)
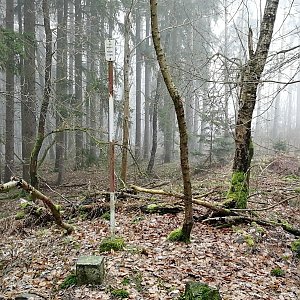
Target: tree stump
point(200, 291)
point(90, 270)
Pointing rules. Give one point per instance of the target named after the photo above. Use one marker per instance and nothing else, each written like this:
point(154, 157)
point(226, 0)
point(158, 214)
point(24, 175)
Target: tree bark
point(250, 77)
point(28, 87)
point(10, 87)
point(78, 84)
point(179, 108)
point(138, 86)
point(154, 125)
point(61, 85)
point(147, 91)
point(46, 97)
point(126, 115)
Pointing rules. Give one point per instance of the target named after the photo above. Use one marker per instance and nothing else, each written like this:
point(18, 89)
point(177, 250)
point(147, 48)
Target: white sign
point(110, 49)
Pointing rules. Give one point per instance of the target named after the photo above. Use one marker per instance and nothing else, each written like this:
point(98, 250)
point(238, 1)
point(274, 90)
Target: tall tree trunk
point(46, 97)
point(147, 91)
point(138, 86)
point(126, 115)
point(168, 125)
point(61, 85)
point(154, 124)
point(28, 106)
point(298, 111)
point(251, 75)
point(10, 87)
point(179, 108)
point(78, 84)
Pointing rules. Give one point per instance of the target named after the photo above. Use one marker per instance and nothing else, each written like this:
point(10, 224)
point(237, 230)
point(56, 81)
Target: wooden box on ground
point(90, 270)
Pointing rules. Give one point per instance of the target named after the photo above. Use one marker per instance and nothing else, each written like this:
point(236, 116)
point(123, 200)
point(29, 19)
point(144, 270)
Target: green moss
point(277, 272)
point(24, 204)
point(106, 216)
point(238, 191)
point(249, 240)
point(178, 236)
point(152, 208)
point(126, 281)
point(112, 243)
point(20, 215)
point(297, 190)
point(120, 293)
point(200, 291)
point(70, 280)
point(58, 207)
point(295, 246)
point(259, 229)
point(292, 177)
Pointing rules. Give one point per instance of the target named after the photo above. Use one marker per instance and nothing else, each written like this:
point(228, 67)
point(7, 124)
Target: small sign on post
point(110, 49)
point(110, 56)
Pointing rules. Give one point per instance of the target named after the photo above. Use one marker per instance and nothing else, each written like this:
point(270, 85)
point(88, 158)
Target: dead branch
point(20, 183)
point(213, 206)
point(264, 208)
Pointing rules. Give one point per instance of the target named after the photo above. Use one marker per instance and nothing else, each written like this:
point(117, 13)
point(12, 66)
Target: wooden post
point(110, 57)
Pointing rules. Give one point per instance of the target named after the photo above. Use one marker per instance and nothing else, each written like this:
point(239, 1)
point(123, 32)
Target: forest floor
point(238, 260)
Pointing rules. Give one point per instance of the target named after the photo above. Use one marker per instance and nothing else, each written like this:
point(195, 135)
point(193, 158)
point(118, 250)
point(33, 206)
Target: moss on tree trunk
point(238, 192)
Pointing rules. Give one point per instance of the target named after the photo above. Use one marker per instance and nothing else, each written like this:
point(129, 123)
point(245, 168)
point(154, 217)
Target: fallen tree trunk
point(211, 205)
point(20, 183)
point(226, 214)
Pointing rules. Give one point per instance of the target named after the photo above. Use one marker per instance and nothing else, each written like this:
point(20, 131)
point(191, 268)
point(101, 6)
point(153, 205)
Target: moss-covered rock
point(90, 270)
point(177, 235)
point(112, 243)
point(200, 291)
point(238, 192)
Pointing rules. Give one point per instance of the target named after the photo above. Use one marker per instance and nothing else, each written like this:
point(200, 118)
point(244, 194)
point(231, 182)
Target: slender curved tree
point(179, 108)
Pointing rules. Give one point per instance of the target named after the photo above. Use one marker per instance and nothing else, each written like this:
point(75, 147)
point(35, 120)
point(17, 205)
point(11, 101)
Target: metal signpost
point(110, 56)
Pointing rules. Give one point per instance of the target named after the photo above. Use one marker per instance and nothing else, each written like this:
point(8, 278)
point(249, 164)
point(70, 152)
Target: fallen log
point(22, 184)
point(211, 205)
point(226, 214)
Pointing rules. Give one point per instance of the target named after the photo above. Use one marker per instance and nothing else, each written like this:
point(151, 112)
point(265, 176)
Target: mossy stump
point(90, 270)
point(200, 291)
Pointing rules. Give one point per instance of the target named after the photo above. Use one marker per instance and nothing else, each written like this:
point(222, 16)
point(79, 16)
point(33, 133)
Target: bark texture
point(46, 98)
point(179, 108)
point(126, 115)
point(250, 78)
point(28, 87)
point(9, 121)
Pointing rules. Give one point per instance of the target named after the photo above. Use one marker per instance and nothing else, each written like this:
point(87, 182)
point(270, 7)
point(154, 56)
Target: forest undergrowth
point(242, 260)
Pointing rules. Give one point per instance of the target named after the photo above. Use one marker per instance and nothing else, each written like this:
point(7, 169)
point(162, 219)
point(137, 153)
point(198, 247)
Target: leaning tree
point(251, 74)
point(179, 109)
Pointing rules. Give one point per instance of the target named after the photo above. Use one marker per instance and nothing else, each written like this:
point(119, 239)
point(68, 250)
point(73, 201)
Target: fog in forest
point(207, 45)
